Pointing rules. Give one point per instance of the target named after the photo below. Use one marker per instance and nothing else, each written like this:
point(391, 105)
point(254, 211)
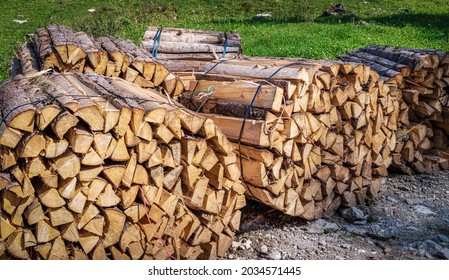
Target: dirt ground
point(409, 220)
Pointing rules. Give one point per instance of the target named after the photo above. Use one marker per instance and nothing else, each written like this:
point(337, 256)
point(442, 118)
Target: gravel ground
point(409, 220)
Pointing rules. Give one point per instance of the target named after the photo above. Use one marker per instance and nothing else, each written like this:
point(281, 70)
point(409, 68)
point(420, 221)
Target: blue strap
point(156, 42)
point(403, 135)
point(248, 110)
point(225, 45)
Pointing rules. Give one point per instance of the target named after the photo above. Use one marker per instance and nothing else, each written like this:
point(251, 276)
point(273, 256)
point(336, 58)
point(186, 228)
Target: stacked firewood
point(187, 50)
point(99, 168)
point(57, 47)
point(423, 76)
point(318, 134)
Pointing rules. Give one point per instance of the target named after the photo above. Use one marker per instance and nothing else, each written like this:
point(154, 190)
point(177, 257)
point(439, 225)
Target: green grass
point(296, 28)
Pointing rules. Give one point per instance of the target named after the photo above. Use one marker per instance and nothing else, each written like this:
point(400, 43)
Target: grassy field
point(296, 27)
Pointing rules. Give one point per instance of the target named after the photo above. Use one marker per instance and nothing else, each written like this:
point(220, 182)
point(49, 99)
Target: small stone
point(392, 199)
point(275, 256)
point(413, 201)
point(353, 214)
point(355, 230)
point(442, 238)
point(423, 210)
point(325, 225)
point(264, 249)
point(315, 230)
point(339, 258)
point(322, 242)
point(412, 228)
point(380, 233)
point(444, 253)
point(91, 10)
point(245, 245)
point(387, 250)
point(236, 244)
point(231, 256)
point(429, 248)
point(345, 246)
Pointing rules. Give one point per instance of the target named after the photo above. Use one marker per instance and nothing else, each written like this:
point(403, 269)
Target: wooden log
point(16, 110)
point(254, 132)
point(254, 70)
point(269, 97)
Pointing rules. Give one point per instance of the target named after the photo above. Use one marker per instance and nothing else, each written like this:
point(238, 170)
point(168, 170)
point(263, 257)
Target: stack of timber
point(423, 76)
point(99, 168)
point(57, 47)
point(188, 50)
point(318, 135)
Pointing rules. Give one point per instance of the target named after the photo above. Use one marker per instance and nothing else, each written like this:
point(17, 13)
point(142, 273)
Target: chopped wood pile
point(57, 47)
point(423, 76)
point(319, 134)
point(99, 168)
point(187, 50)
point(104, 163)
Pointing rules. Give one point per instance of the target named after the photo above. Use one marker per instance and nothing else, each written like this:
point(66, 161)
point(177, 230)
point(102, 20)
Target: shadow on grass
point(434, 22)
point(253, 21)
point(421, 20)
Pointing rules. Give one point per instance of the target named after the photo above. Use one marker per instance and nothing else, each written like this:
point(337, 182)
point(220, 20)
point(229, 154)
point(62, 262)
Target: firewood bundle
point(99, 168)
point(423, 76)
point(57, 47)
point(186, 50)
point(318, 135)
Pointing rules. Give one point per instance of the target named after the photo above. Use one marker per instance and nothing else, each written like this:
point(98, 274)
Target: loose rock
point(263, 249)
point(380, 233)
point(275, 256)
point(413, 201)
point(423, 210)
point(352, 214)
point(325, 225)
point(429, 248)
point(441, 238)
point(445, 253)
point(315, 230)
point(355, 230)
